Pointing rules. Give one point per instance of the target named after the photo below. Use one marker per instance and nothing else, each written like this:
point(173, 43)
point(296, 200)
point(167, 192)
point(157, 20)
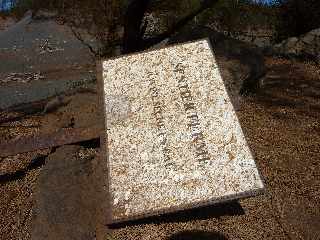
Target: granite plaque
point(172, 137)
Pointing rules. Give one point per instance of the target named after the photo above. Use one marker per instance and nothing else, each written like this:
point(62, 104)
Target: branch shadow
point(37, 162)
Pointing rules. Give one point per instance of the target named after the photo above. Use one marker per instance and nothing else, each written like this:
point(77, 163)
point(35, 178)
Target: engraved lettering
point(201, 150)
point(158, 113)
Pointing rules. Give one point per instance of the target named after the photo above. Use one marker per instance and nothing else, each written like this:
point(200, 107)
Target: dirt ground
point(282, 127)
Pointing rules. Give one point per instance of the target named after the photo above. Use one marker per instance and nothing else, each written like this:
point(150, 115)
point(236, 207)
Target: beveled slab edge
point(214, 201)
point(103, 140)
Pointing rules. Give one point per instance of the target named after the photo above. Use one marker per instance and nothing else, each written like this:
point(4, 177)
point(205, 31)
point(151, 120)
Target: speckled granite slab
point(173, 137)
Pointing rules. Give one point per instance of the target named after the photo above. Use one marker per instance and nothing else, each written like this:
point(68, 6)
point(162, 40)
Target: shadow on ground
point(232, 208)
point(197, 235)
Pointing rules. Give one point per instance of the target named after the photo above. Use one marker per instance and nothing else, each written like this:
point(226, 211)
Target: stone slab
point(173, 140)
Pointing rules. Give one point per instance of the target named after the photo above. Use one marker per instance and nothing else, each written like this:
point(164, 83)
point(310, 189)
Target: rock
point(278, 48)
point(43, 15)
point(79, 111)
point(290, 45)
point(261, 42)
point(54, 104)
point(69, 196)
point(307, 39)
point(306, 46)
point(22, 47)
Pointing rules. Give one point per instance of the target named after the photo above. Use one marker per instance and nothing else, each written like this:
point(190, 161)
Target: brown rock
point(68, 196)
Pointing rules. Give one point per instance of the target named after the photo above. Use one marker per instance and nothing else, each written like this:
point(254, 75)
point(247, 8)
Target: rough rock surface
point(307, 45)
point(42, 59)
point(34, 45)
point(44, 15)
point(68, 195)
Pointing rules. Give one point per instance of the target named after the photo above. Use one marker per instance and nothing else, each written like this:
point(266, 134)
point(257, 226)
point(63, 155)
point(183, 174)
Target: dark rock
point(304, 47)
point(43, 15)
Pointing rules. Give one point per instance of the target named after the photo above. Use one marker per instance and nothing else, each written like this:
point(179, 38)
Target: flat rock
point(68, 196)
point(20, 93)
point(173, 137)
point(32, 46)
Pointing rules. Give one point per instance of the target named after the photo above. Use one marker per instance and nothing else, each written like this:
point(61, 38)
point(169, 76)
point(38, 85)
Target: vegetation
point(122, 22)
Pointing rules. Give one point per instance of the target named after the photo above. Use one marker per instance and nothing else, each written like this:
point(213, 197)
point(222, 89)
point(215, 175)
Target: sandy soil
point(282, 127)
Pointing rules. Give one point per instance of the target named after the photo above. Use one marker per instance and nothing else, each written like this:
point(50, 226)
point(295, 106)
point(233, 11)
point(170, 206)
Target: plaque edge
point(171, 210)
point(105, 59)
point(104, 159)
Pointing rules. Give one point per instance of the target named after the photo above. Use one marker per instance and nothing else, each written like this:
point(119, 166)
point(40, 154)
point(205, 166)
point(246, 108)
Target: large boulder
point(305, 46)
